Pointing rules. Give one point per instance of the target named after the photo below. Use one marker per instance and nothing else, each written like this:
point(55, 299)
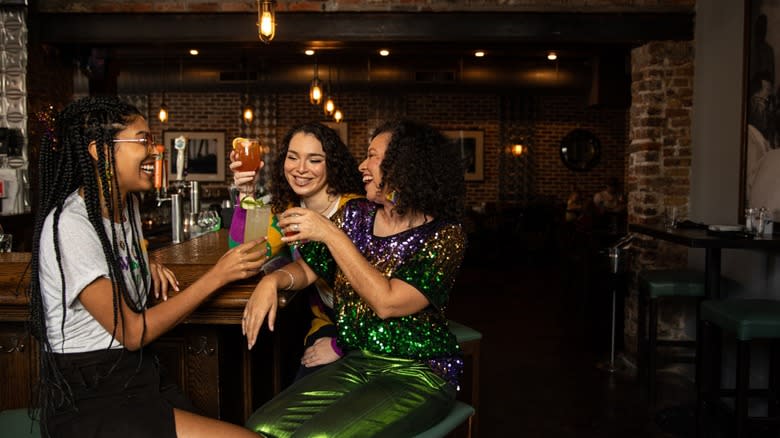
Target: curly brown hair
point(424, 168)
point(342, 175)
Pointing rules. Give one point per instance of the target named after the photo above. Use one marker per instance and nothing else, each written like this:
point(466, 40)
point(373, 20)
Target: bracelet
point(292, 278)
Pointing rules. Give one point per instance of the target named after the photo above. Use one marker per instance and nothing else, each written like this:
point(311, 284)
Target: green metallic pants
point(360, 395)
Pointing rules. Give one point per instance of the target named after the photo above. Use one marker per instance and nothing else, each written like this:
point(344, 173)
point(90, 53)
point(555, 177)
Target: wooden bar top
point(188, 260)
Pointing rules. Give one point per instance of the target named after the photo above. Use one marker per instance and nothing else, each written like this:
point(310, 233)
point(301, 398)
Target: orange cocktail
point(248, 150)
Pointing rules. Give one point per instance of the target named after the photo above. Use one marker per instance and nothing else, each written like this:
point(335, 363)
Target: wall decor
point(580, 150)
point(204, 155)
point(472, 150)
point(760, 154)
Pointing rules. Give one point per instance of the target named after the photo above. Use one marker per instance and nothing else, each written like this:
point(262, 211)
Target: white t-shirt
point(83, 262)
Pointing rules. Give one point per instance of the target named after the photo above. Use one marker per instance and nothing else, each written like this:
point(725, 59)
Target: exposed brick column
point(659, 162)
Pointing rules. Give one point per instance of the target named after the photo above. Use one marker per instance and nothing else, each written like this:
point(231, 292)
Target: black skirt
point(116, 394)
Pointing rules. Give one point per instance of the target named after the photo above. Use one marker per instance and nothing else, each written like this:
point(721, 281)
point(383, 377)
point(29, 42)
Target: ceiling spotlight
point(384, 52)
point(479, 53)
point(266, 20)
point(552, 56)
point(309, 52)
point(194, 52)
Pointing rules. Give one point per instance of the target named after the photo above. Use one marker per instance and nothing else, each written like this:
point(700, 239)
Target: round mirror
point(580, 150)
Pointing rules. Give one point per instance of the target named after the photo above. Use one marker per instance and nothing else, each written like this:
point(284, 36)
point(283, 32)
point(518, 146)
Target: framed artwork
point(341, 129)
point(204, 154)
point(760, 155)
point(472, 150)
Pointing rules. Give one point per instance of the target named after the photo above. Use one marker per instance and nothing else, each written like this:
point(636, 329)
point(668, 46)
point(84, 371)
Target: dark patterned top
point(427, 257)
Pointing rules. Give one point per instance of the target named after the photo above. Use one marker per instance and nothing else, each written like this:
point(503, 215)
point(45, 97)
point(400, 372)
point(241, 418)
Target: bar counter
point(203, 354)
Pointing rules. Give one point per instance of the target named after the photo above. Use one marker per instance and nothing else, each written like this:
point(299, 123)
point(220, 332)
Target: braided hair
point(67, 166)
point(342, 169)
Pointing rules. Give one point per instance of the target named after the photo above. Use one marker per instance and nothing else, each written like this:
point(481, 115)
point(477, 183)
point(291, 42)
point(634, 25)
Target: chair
point(16, 423)
point(746, 320)
point(469, 340)
point(460, 412)
point(662, 285)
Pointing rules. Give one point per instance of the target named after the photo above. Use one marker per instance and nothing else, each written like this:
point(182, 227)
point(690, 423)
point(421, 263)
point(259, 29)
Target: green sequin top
point(427, 257)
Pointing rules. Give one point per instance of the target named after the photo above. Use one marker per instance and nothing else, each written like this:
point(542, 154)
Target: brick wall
point(447, 111)
point(659, 161)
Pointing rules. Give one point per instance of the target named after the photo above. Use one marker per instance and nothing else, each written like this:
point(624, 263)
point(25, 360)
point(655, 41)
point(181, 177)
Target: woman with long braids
point(392, 259)
point(91, 279)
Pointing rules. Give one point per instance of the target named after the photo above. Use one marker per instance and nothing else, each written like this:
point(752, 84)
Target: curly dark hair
point(424, 168)
point(66, 166)
point(342, 176)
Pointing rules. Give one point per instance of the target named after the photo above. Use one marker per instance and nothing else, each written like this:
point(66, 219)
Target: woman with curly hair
point(91, 280)
point(312, 169)
point(392, 259)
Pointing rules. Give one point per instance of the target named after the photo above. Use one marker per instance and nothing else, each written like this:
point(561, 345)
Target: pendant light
point(266, 20)
point(330, 105)
point(315, 88)
point(163, 113)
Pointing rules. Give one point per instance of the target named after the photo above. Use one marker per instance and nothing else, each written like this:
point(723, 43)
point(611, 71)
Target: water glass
point(6, 242)
point(671, 219)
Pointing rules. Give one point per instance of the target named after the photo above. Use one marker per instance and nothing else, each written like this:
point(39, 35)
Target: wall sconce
point(266, 20)
point(517, 149)
point(315, 88)
point(338, 116)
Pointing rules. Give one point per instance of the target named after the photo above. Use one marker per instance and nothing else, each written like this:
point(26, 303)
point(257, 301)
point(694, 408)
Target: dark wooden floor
point(544, 357)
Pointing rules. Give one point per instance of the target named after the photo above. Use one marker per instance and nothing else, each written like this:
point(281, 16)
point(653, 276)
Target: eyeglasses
point(147, 140)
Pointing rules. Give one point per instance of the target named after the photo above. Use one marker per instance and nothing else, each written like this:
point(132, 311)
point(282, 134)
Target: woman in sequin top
point(392, 258)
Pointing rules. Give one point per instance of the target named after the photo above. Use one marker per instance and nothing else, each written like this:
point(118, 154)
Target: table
point(712, 245)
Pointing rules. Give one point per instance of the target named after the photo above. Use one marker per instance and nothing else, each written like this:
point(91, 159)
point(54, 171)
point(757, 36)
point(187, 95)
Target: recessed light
point(552, 56)
point(384, 52)
point(309, 52)
point(194, 52)
point(479, 53)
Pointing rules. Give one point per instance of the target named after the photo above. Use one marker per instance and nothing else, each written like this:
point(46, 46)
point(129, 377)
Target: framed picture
point(760, 170)
point(204, 154)
point(472, 150)
point(341, 129)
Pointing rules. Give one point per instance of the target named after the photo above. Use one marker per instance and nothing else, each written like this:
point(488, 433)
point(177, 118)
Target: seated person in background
point(609, 200)
point(92, 280)
point(312, 168)
point(393, 259)
point(574, 204)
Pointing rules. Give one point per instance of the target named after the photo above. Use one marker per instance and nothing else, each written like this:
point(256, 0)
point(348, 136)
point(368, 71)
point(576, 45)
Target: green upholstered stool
point(16, 423)
point(469, 341)
point(460, 412)
point(746, 320)
point(656, 286)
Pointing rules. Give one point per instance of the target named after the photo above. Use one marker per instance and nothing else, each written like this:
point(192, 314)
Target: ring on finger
point(295, 227)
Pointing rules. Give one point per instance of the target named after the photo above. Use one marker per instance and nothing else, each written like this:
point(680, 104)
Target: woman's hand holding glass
point(244, 180)
point(241, 262)
point(303, 225)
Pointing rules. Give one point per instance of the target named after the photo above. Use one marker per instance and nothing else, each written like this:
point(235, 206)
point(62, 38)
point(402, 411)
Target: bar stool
point(655, 286)
point(16, 423)
point(460, 412)
point(469, 341)
point(746, 320)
